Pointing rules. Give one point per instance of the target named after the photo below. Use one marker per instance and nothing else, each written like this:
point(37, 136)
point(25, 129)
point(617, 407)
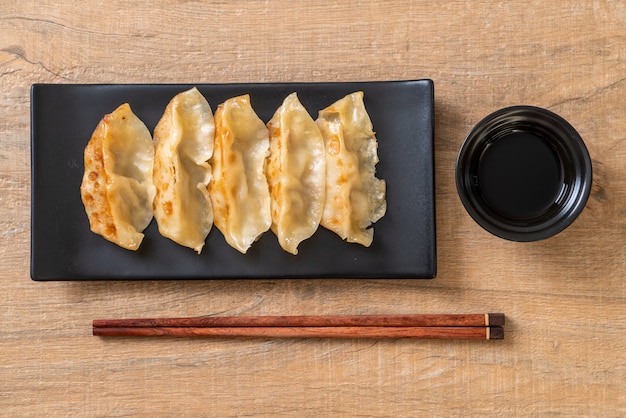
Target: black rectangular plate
point(63, 118)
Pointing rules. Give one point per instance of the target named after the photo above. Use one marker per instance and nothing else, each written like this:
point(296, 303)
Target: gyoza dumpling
point(355, 198)
point(183, 144)
point(296, 172)
point(117, 188)
point(238, 187)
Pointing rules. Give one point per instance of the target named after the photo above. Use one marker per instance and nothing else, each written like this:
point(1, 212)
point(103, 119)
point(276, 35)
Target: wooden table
point(565, 297)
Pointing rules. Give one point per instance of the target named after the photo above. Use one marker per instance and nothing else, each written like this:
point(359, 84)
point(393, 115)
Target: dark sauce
point(519, 176)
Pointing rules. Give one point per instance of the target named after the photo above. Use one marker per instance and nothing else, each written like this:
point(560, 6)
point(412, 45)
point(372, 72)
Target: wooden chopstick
point(413, 320)
point(482, 333)
point(432, 326)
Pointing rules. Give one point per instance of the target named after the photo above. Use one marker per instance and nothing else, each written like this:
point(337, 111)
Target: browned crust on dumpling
point(93, 188)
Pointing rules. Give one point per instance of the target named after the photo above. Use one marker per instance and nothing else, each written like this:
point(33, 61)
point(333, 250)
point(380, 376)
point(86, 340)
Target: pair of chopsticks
point(432, 326)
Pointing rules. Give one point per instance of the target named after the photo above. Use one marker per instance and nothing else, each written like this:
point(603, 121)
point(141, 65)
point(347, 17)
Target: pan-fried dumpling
point(117, 188)
point(183, 144)
point(355, 198)
point(296, 172)
point(238, 188)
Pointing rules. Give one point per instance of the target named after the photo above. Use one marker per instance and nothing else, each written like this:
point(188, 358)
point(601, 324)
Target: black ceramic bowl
point(523, 173)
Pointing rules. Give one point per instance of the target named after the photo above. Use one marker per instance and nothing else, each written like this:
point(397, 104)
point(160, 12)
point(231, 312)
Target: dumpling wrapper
point(117, 188)
point(296, 173)
point(238, 187)
point(183, 144)
point(355, 198)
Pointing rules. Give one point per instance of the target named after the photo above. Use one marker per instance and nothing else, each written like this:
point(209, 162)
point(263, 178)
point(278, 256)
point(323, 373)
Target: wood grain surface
point(565, 298)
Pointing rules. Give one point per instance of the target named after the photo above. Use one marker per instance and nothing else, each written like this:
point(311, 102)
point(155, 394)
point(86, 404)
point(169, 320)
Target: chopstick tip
point(495, 319)
point(495, 333)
